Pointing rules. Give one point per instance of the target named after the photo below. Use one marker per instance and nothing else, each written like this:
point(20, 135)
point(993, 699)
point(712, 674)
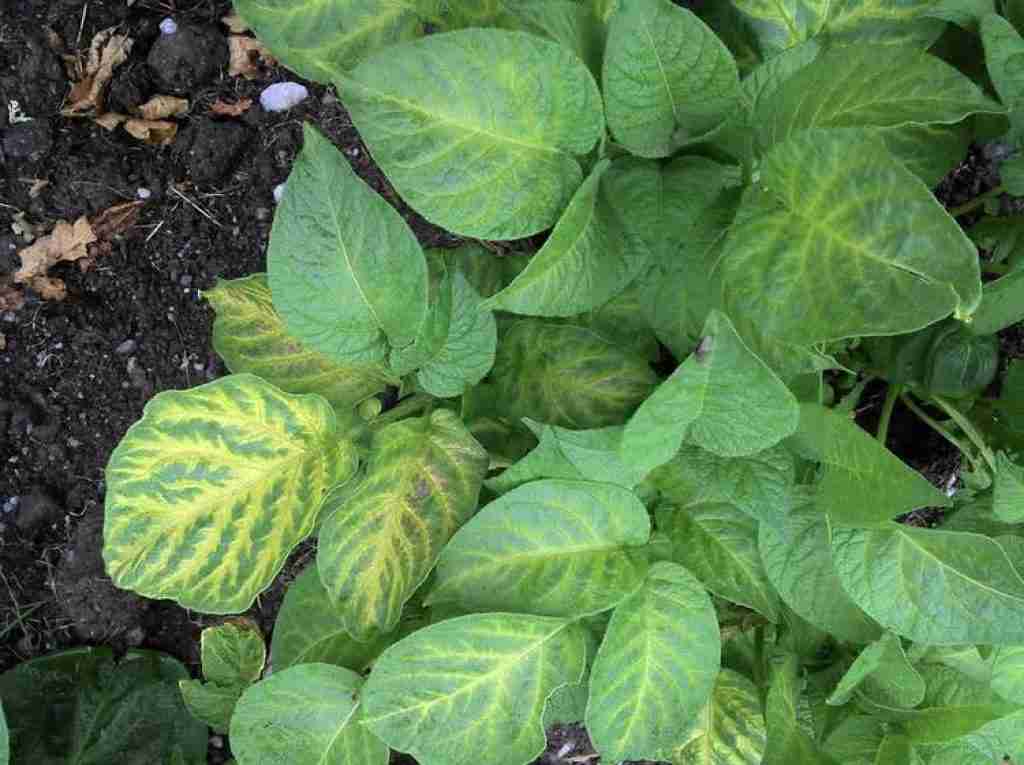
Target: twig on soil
point(81, 26)
point(152, 233)
point(197, 208)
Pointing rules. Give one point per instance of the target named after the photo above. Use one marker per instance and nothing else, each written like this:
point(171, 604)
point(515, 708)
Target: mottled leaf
point(729, 730)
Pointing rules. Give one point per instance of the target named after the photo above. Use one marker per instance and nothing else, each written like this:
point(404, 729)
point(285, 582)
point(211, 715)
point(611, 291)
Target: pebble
point(278, 192)
point(168, 26)
point(11, 505)
point(128, 346)
point(143, 193)
point(282, 96)
point(185, 280)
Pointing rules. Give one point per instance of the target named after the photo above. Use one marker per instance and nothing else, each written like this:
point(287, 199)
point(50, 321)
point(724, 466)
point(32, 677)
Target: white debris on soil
point(168, 26)
point(282, 96)
point(143, 193)
point(278, 192)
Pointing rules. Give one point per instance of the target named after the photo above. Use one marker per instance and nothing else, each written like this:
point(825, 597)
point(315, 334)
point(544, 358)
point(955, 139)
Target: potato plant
point(616, 480)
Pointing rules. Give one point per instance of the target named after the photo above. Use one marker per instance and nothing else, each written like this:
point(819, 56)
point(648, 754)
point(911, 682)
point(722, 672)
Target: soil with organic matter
point(76, 373)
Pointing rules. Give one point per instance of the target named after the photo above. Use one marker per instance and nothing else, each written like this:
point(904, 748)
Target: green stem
point(938, 428)
point(891, 396)
point(977, 202)
point(964, 423)
point(759, 674)
point(403, 409)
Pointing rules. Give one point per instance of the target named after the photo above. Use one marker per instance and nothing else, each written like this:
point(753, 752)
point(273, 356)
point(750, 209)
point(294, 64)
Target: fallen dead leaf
point(110, 120)
point(36, 186)
point(162, 107)
point(235, 23)
point(115, 220)
point(11, 298)
point(106, 53)
point(160, 132)
point(67, 242)
point(49, 287)
point(247, 54)
point(53, 40)
point(231, 110)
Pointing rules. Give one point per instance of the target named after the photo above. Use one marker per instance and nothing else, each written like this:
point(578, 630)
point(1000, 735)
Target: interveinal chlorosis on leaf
point(625, 456)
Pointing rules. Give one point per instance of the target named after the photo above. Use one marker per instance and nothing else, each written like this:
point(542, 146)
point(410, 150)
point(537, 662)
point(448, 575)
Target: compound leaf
point(346, 272)
point(567, 375)
point(667, 77)
point(863, 482)
point(307, 713)
point(472, 690)
point(718, 544)
point(812, 265)
point(378, 543)
point(320, 38)
point(656, 667)
point(250, 336)
point(798, 560)
point(479, 130)
point(729, 730)
point(209, 492)
point(552, 547)
point(707, 402)
point(932, 586)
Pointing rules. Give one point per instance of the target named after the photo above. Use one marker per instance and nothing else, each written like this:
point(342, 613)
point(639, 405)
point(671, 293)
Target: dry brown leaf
point(110, 120)
point(53, 40)
point(11, 298)
point(107, 52)
point(235, 23)
point(246, 56)
point(36, 186)
point(162, 107)
point(67, 242)
point(152, 131)
point(116, 219)
point(49, 287)
point(231, 110)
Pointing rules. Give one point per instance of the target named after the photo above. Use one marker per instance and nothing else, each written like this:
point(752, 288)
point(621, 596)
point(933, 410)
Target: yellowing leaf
point(162, 107)
point(158, 132)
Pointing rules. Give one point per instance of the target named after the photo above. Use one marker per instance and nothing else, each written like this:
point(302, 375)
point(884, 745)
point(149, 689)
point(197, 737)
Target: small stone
point(282, 96)
point(185, 280)
point(128, 346)
point(143, 193)
point(262, 213)
point(11, 505)
point(217, 742)
point(168, 26)
point(278, 192)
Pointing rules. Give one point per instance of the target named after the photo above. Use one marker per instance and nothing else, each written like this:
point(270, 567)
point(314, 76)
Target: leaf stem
point(891, 395)
point(938, 428)
point(964, 423)
point(403, 409)
point(977, 202)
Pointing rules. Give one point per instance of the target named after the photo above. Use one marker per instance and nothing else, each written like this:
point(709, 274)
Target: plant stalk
point(977, 202)
point(403, 409)
point(891, 395)
point(969, 430)
point(938, 428)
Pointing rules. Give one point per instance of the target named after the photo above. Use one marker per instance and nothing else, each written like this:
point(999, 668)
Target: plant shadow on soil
point(74, 375)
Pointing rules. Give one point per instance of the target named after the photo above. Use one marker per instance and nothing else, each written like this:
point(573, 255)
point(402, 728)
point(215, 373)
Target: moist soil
point(76, 373)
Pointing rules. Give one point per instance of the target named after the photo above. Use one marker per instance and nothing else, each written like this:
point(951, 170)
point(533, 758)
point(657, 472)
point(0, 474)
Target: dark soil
point(75, 374)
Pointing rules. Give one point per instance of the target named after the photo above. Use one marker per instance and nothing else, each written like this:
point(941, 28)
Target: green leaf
point(471, 690)
point(1008, 673)
point(311, 629)
point(896, 749)
point(729, 730)
point(1004, 57)
point(667, 78)
point(623, 320)
point(307, 713)
point(250, 336)
point(379, 542)
point(898, 575)
point(869, 86)
point(706, 402)
point(863, 483)
point(4, 738)
point(718, 544)
point(656, 667)
point(964, 13)
point(929, 151)
point(573, 24)
point(798, 560)
point(1011, 402)
point(553, 547)
point(883, 674)
point(321, 38)
point(232, 653)
point(1008, 497)
point(1002, 304)
point(989, 745)
point(82, 707)
point(842, 264)
point(457, 125)
point(567, 375)
point(211, 703)
point(788, 742)
point(760, 485)
point(594, 250)
point(209, 492)
point(346, 272)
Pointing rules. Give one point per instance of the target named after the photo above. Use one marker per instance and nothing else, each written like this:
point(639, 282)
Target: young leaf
point(883, 674)
point(594, 250)
point(310, 629)
point(202, 464)
point(655, 669)
point(718, 544)
point(706, 400)
point(471, 690)
point(863, 483)
point(1008, 496)
point(232, 653)
point(1002, 304)
point(355, 281)
point(898, 574)
point(250, 336)
point(798, 560)
point(211, 703)
point(788, 743)
point(870, 274)
point(321, 38)
point(307, 713)
point(729, 730)
point(567, 375)
point(378, 544)
point(1004, 55)
point(554, 547)
point(760, 485)
point(457, 123)
point(667, 78)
